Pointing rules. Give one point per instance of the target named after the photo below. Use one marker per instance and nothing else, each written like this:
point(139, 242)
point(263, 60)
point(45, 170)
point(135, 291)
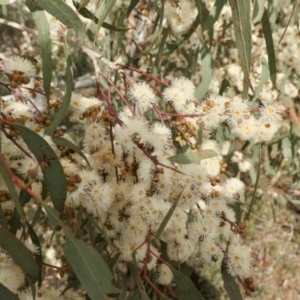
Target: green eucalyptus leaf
point(88, 265)
point(11, 187)
point(270, 47)
point(167, 217)
point(230, 285)
point(258, 10)
point(263, 79)
point(24, 197)
point(3, 221)
point(64, 14)
point(54, 176)
point(192, 157)
point(206, 70)
point(43, 29)
point(213, 16)
point(5, 2)
point(62, 112)
point(60, 141)
point(89, 15)
point(114, 28)
point(103, 11)
point(20, 254)
point(5, 293)
point(224, 85)
point(132, 5)
point(242, 31)
point(186, 288)
point(38, 256)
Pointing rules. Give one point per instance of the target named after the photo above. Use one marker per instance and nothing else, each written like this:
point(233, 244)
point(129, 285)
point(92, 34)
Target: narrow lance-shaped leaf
point(11, 187)
point(5, 2)
point(186, 288)
point(60, 141)
point(258, 10)
point(62, 112)
point(103, 11)
point(168, 216)
point(206, 71)
point(242, 31)
point(87, 263)
point(53, 172)
point(42, 26)
point(263, 79)
point(38, 255)
point(230, 285)
point(89, 15)
point(64, 14)
point(213, 16)
point(7, 294)
point(132, 5)
point(270, 46)
point(19, 252)
point(192, 157)
point(3, 221)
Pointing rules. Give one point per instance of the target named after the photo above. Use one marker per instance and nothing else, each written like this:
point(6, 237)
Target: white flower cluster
point(131, 184)
point(237, 113)
point(182, 15)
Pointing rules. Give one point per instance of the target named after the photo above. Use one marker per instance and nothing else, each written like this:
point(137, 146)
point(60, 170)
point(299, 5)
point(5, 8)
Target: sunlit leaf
point(206, 71)
point(43, 29)
point(103, 11)
point(192, 157)
point(270, 47)
point(62, 112)
point(213, 16)
point(64, 14)
point(20, 254)
point(242, 31)
point(5, 2)
point(258, 10)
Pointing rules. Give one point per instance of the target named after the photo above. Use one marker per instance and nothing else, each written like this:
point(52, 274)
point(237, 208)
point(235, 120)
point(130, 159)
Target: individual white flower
point(244, 165)
point(175, 96)
point(238, 110)
point(19, 64)
point(181, 17)
point(162, 133)
point(239, 260)
point(266, 131)
point(142, 95)
point(165, 274)
point(247, 129)
point(12, 277)
point(186, 86)
point(210, 251)
point(234, 186)
point(271, 112)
